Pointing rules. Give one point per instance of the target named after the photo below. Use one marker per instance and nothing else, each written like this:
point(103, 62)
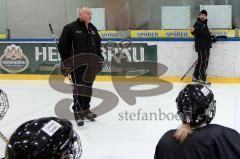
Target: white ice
point(112, 137)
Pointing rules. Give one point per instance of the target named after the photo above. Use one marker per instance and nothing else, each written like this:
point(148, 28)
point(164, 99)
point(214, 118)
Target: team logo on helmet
point(13, 60)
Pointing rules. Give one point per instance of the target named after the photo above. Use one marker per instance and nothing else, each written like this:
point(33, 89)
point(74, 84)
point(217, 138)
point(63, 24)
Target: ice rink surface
point(127, 131)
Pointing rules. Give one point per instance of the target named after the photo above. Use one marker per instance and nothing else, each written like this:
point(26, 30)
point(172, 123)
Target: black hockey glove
point(213, 39)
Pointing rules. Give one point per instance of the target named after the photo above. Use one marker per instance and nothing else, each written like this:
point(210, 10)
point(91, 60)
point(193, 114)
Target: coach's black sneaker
point(92, 114)
point(194, 80)
point(89, 115)
point(205, 82)
point(79, 117)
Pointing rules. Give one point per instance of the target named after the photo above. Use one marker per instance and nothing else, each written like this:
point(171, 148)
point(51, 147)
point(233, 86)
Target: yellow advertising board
point(175, 33)
point(3, 36)
point(159, 33)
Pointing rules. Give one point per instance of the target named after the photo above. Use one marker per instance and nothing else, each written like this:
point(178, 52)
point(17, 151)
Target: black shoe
point(79, 118)
point(194, 80)
point(205, 82)
point(90, 116)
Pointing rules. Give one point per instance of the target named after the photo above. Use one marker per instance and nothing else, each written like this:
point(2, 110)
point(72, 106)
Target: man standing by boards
point(80, 40)
point(203, 43)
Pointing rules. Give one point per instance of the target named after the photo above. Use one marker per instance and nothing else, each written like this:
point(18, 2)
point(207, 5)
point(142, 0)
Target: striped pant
point(202, 64)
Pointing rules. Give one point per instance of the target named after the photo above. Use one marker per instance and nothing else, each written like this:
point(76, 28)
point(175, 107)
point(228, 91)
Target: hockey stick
point(189, 70)
point(223, 37)
point(69, 76)
point(56, 44)
point(217, 38)
point(53, 35)
point(4, 105)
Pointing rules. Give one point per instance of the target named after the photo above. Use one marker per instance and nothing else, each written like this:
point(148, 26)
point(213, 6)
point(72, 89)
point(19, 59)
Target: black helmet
point(196, 105)
point(204, 12)
point(44, 138)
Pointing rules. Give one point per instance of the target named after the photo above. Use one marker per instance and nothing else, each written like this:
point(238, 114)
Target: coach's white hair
point(84, 9)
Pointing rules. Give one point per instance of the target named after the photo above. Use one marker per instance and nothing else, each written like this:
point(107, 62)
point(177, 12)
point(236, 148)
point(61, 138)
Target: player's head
point(203, 15)
point(85, 14)
point(44, 138)
point(196, 105)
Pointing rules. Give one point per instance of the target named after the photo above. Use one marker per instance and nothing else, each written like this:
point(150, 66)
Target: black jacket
point(209, 142)
point(76, 39)
point(202, 35)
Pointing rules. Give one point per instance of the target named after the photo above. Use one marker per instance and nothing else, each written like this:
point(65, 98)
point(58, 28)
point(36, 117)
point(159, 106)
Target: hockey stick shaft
point(51, 29)
point(189, 70)
point(53, 35)
point(221, 37)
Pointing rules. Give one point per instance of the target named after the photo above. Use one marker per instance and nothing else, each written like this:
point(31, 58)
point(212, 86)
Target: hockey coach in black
point(80, 38)
point(203, 43)
point(196, 138)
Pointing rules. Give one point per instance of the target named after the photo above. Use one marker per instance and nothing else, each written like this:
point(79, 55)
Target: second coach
point(79, 37)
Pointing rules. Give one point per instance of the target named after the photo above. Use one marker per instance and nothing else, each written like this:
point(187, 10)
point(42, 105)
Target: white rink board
point(178, 56)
